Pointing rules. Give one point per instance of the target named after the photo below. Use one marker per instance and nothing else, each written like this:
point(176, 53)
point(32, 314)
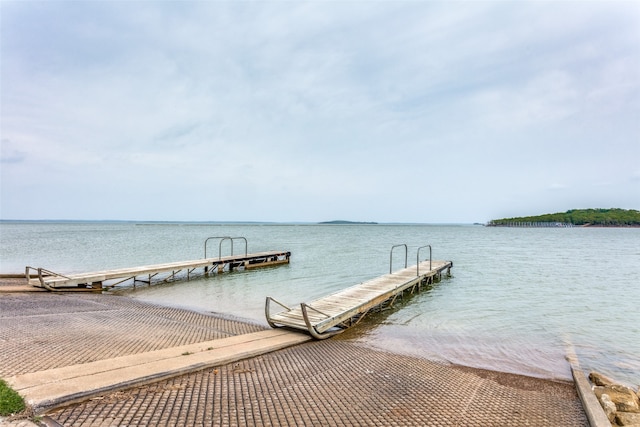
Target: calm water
point(517, 301)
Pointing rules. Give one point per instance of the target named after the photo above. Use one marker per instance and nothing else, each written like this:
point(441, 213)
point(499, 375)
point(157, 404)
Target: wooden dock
point(98, 280)
point(331, 314)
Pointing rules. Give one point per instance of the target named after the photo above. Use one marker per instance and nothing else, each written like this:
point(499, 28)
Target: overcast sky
point(388, 111)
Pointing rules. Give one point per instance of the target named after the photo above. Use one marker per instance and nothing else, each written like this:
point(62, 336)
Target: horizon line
point(205, 222)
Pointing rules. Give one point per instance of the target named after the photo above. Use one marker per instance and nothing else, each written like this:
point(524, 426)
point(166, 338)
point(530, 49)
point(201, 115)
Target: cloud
point(9, 154)
point(556, 187)
point(308, 107)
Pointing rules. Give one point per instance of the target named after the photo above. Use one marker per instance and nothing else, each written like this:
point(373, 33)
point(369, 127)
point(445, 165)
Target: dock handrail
point(220, 246)
point(41, 270)
point(267, 311)
point(418, 259)
point(314, 309)
point(222, 239)
point(245, 244)
point(26, 271)
point(311, 328)
point(391, 257)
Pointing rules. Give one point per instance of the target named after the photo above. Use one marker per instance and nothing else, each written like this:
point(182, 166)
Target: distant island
point(341, 222)
point(575, 217)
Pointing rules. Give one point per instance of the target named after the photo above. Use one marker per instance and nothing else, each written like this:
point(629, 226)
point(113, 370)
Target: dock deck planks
point(322, 316)
point(54, 281)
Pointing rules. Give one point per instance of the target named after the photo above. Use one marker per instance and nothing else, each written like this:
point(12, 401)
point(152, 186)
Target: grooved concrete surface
point(319, 383)
point(50, 330)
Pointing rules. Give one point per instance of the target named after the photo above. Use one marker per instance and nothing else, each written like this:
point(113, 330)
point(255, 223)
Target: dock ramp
point(331, 314)
point(99, 280)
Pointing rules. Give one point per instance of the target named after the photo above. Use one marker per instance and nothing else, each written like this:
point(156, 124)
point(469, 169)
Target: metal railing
point(41, 270)
point(46, 272)
point(267, 310)
point(391, 257)
point(245, 244)
point(222, 239)
point(418, 259)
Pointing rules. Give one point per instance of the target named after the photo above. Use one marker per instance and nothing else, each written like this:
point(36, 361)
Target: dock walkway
point(331, 314)
point(96, 280)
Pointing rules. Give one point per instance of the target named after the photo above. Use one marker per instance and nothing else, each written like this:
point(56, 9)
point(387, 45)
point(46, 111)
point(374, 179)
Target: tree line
point(583, 217)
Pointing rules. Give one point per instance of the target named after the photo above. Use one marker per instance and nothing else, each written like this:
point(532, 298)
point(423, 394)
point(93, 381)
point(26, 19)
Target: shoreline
point(353, 336)
point(17, 284)
point(317, 369)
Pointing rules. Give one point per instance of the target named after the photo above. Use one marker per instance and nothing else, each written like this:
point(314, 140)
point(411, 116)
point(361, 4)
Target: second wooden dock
point(331, 314)
point(99, 280)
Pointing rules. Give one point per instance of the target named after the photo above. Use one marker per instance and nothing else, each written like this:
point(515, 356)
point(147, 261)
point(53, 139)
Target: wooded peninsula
point(578, 217)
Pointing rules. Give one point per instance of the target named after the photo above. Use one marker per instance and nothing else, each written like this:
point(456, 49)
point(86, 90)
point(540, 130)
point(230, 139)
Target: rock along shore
point(621, 404)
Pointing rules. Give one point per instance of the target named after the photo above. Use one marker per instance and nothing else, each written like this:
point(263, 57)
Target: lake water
point(518, 300)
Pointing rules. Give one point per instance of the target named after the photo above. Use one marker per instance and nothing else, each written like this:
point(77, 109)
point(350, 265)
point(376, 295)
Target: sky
point(386, 111)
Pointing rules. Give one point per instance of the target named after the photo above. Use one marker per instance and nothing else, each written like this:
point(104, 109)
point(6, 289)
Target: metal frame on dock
point(331, 314)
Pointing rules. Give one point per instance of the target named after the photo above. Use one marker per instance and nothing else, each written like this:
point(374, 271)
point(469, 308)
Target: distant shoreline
point(609, 218)
point(609, 226)
point(275, 223)
point(342, 222)
point(571, 226)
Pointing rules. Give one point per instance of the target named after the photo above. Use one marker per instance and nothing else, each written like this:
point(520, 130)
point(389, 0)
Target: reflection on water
point(517, 298)
point(406, 329)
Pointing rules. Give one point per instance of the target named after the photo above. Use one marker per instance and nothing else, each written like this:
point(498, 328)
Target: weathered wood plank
point(339, 307)
point(251, 260)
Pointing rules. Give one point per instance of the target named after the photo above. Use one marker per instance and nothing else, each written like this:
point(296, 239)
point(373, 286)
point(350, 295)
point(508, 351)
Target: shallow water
point(518, 299)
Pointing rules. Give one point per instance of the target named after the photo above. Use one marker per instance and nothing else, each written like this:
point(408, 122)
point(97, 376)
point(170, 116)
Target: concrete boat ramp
point(321, 319)
point(61, 350)
point(77, 382)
